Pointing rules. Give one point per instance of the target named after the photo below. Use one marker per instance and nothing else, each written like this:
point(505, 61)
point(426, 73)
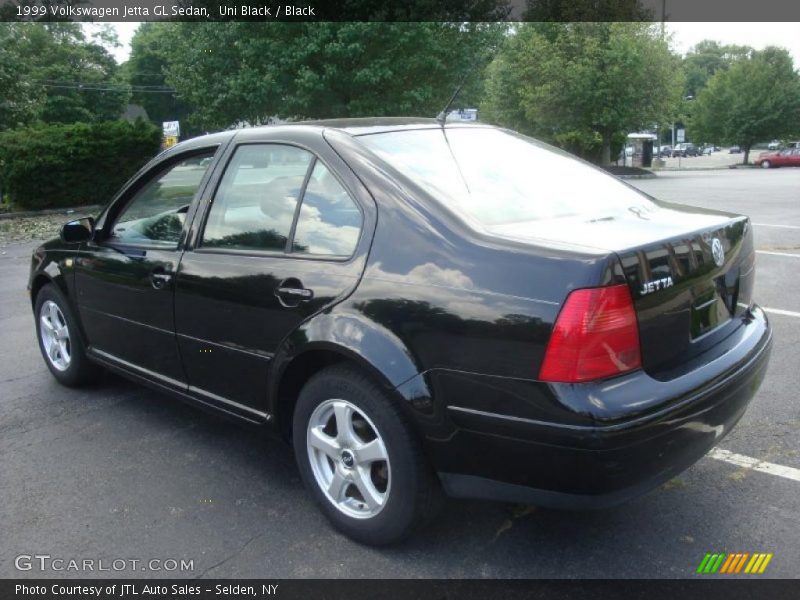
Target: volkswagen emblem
point(717, 252)
point(348, 460)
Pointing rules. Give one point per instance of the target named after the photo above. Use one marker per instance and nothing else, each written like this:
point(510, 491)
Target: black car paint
point(452, 321)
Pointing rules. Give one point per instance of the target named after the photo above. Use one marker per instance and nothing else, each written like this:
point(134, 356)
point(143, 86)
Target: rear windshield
point(498, 177)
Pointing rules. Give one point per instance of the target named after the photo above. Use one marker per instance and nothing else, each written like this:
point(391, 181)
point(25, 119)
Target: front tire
point(360, 459)
point(59, 339)
point(765, 164)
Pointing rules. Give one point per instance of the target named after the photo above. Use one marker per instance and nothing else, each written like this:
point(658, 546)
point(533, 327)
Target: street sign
point(681, 135)
point(171, 129)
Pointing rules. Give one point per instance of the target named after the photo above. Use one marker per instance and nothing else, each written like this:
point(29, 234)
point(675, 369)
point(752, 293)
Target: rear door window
point(329, 223)
point(256, 201)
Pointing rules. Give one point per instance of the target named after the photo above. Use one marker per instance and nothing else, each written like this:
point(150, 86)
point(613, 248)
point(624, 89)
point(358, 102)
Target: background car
point(734, 150)
point(788, 157)
point(685, 149)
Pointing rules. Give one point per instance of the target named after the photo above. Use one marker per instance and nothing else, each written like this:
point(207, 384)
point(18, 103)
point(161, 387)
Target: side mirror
point(80, 230)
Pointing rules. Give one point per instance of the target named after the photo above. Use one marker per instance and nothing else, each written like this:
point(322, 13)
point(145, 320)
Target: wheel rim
point(348, 458)
point(765, 164)
point(55, 336)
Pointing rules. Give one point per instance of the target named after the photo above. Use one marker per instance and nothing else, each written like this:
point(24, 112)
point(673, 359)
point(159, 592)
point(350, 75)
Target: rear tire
point(765, 164)
point(60, 341)
point(360, 459)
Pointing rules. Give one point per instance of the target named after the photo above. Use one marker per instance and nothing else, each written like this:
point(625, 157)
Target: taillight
point(595, 336)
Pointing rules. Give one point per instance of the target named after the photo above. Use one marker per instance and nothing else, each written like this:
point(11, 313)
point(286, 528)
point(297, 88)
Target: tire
point(765, 164)
point(61, 345)
point(377, 453)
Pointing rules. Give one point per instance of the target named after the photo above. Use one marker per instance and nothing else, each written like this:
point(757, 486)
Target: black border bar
point(401, 10)
point(743, 588)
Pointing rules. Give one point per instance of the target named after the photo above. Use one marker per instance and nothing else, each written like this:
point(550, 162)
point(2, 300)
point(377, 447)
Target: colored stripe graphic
point(718, 564)
point(764, 564)
point(741, 562)
point(733, 563)
point(703, 563)
point(728, 563)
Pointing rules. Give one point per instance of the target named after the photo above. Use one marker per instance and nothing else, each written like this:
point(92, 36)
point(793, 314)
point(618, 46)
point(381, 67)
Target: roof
point(366, 125)
point(355, 127)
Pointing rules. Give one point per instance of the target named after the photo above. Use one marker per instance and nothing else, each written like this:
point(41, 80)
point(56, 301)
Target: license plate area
point(708, 312)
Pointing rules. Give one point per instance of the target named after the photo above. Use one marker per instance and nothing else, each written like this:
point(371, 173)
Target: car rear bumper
point(621, 452)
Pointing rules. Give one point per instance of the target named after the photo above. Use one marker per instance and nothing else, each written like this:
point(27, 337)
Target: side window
point(157, 212)
point(255, 203)
point(330, 222)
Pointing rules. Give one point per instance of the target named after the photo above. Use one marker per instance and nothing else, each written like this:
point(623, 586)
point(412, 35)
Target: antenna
point(442, 116)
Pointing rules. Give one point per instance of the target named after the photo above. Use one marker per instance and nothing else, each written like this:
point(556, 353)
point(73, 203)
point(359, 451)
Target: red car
point(789, 157)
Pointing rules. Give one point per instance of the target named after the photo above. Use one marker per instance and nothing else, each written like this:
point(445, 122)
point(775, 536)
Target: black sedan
point(418, 309)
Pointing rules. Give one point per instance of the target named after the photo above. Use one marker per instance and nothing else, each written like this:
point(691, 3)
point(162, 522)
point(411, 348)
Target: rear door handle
point(159, 278)
point(301, 293)
point(290, 292)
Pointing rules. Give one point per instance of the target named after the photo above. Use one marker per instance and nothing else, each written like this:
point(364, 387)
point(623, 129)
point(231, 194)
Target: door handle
point(159, 278)
point(290, 292)
point(301, 293)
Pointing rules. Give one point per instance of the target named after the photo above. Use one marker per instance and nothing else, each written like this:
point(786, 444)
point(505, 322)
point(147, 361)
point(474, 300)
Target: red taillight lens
point(595, 336)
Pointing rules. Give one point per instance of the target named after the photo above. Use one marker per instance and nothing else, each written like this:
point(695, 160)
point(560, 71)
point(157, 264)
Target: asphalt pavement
point(117, 471)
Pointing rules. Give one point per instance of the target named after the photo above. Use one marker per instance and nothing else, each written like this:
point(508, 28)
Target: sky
point(685, 35)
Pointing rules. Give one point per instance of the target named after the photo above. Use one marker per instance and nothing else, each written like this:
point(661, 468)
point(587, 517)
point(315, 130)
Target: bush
point(57, 166)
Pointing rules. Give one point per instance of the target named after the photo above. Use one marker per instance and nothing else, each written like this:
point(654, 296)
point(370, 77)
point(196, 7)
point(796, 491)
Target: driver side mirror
point(79, 230)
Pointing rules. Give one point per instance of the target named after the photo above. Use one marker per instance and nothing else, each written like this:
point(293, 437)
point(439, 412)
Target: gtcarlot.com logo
point(45, 562)
point(734, 563)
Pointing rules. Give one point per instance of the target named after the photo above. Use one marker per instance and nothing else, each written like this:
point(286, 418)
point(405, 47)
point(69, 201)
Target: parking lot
point(117, 471)
point(716, 160)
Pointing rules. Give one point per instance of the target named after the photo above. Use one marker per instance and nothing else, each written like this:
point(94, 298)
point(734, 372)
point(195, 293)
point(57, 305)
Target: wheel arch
point(51, 274)
point(337, 339)
point(38, 282)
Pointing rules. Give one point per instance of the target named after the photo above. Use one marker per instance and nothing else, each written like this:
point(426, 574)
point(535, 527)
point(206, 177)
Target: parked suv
point(416, 308)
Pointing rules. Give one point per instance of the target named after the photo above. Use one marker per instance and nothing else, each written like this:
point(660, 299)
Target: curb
point(650, 176)
point(51, 211)
point(721, 168)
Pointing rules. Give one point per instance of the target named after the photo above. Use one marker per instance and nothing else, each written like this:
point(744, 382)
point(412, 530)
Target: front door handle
point(159, 278)
point(290, 292)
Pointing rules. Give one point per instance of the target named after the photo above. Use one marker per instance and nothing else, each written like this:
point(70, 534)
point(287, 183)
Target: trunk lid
point(690, 273)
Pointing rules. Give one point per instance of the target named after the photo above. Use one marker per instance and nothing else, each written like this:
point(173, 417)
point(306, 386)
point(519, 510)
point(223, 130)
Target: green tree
point(253, 71)
point(66, 76)
point(706, 58)
point(756, 99)
point(145, 72)
point(19, 97)
point(580, 85)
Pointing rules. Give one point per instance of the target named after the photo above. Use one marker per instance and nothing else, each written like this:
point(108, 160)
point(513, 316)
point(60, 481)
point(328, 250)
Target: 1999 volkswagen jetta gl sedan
point(417, 308)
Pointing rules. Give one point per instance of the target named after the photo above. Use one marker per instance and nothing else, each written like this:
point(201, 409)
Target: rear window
point(496, 177)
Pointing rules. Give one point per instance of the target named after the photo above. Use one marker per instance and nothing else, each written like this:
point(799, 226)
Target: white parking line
point(778, 253)
point(779, 311)
point(748, 462)
point(781, 226)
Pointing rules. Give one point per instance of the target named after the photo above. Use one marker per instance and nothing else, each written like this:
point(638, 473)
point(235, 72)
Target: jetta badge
point(717, 252)
point(648, 287)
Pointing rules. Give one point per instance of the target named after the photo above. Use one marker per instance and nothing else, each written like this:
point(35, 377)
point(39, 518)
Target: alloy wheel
point(55, 335)
point(348, 458)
